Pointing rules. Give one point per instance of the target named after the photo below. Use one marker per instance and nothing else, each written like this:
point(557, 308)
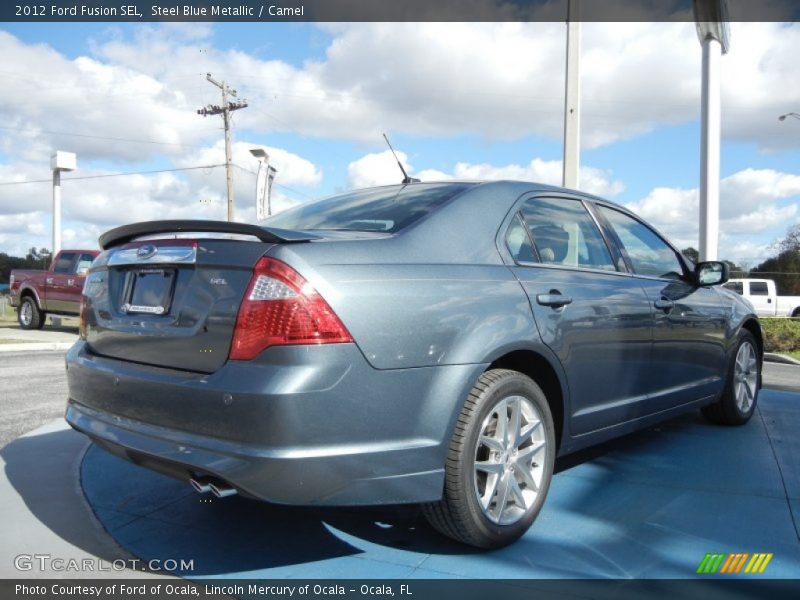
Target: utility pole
point(572, 99)
point(711, 19)
point(225, 110)
point(60, 161)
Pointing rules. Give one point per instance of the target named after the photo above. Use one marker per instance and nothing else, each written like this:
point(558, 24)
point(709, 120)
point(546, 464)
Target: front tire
point(29, 316)
point(740, 396)
point(499, 464)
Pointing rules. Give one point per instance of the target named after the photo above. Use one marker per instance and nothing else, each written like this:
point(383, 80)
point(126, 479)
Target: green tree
point(784, 269)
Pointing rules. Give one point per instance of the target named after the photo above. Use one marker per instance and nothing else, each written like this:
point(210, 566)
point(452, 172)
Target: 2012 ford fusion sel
point(431, 343)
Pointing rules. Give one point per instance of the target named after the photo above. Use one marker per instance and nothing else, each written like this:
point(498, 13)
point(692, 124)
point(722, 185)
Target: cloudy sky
point(464, 100)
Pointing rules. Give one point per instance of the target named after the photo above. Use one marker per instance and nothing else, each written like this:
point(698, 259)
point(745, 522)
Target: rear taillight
point(281, 308)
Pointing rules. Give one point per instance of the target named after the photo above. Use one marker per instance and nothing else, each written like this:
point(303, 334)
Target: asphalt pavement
point(647, 505)
point(33, 391)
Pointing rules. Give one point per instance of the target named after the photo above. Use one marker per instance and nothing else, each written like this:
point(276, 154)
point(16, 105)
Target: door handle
point(664, 304)
point(49, 281)
point(555, 300)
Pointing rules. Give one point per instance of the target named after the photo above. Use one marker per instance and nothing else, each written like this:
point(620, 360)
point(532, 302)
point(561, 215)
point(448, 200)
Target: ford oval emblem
point(145, 252)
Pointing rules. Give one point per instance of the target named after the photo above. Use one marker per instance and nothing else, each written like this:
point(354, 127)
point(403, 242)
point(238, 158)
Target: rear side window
point(735, 286)
point(388, 209)
point(518, 242)
point(64, 263)
point(565, 234)
point(649, 254)
point(759, 288)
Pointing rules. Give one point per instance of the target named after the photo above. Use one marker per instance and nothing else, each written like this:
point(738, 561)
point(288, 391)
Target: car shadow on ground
point(595, 523)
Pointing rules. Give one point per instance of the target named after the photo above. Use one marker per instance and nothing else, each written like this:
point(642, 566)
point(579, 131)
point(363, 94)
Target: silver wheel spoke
point(525, 454)
point(514, 424)
point(502, 422)
point(527, 478)
point(516, 493)
point(502, 496)
point(491, 488)
point(491, 442)
point(486, 466)
point(526, 432)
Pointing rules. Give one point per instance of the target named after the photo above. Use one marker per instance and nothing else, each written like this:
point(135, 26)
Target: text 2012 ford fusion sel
point(432, 343)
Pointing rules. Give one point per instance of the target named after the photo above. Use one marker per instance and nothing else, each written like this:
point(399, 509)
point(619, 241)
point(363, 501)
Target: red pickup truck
point(56, 291)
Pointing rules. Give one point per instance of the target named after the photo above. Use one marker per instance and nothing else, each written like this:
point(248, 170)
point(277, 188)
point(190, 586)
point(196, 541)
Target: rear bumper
point(299, 425)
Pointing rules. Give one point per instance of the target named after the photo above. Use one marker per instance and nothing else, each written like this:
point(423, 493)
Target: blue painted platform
point(649, 505)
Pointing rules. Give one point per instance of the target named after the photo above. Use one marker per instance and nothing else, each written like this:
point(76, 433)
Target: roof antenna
point(406, 178)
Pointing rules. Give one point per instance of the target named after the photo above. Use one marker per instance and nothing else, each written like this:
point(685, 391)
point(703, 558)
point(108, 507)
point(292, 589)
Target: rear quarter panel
point(435, 294)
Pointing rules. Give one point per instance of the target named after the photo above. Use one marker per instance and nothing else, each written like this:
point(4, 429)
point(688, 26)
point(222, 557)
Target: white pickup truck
point(762, 295)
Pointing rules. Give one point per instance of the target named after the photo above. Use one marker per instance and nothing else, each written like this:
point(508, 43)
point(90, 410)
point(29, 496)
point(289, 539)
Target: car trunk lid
point(173, 301)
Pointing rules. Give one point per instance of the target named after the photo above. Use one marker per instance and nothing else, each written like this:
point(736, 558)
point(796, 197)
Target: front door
point(688, 321)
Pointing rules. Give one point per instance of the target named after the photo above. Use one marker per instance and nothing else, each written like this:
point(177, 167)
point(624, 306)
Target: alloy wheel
point(509, 463)
point(745, 377)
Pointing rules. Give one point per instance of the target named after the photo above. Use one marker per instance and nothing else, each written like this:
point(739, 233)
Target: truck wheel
point(740, 396)
point(796, 313)
point(29, 315)
point(499, 464)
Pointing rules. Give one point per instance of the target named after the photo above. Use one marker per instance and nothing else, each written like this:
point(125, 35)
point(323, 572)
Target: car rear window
point(387, 209)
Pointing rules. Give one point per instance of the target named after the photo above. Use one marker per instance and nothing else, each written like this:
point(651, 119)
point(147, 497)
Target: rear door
point(74, 284)
point(57, 297)
point(688, 321)
point(759, 297)
point(592, 315)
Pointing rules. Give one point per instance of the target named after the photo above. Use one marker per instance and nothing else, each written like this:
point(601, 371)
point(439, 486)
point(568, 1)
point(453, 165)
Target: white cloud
point(752, 210)
point(378, 168)
point(381, 169)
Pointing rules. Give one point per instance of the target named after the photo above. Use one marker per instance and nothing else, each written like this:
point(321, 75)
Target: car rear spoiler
point(127, 233)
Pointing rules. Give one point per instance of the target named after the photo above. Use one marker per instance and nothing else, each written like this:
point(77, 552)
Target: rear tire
point(29, 316)
point(499, 464)
point(740, 396)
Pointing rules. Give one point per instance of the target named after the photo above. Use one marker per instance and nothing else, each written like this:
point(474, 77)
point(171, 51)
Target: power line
point(114, 174)
point(99, 137)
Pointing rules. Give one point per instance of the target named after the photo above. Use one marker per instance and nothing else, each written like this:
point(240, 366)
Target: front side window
point(649, 254)
point(64, 262)
point(759, 288)
point(565, 234)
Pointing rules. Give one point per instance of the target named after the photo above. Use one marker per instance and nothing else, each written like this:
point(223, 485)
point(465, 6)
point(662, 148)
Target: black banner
point(425, 589)
point(387, 10)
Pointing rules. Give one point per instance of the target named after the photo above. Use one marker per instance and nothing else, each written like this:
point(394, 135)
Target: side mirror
point(711, 273)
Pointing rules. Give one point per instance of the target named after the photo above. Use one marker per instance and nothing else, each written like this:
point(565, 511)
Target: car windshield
point(387, 209)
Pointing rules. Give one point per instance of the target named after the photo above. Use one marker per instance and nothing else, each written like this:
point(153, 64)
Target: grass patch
point(10, 313)
point(782, 335)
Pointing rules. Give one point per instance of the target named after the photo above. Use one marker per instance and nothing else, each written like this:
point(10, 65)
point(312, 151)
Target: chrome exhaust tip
point(222, 490)
point(201, 485)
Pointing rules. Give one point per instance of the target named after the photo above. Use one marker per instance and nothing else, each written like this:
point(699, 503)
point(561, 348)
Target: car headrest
point(552, 242)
